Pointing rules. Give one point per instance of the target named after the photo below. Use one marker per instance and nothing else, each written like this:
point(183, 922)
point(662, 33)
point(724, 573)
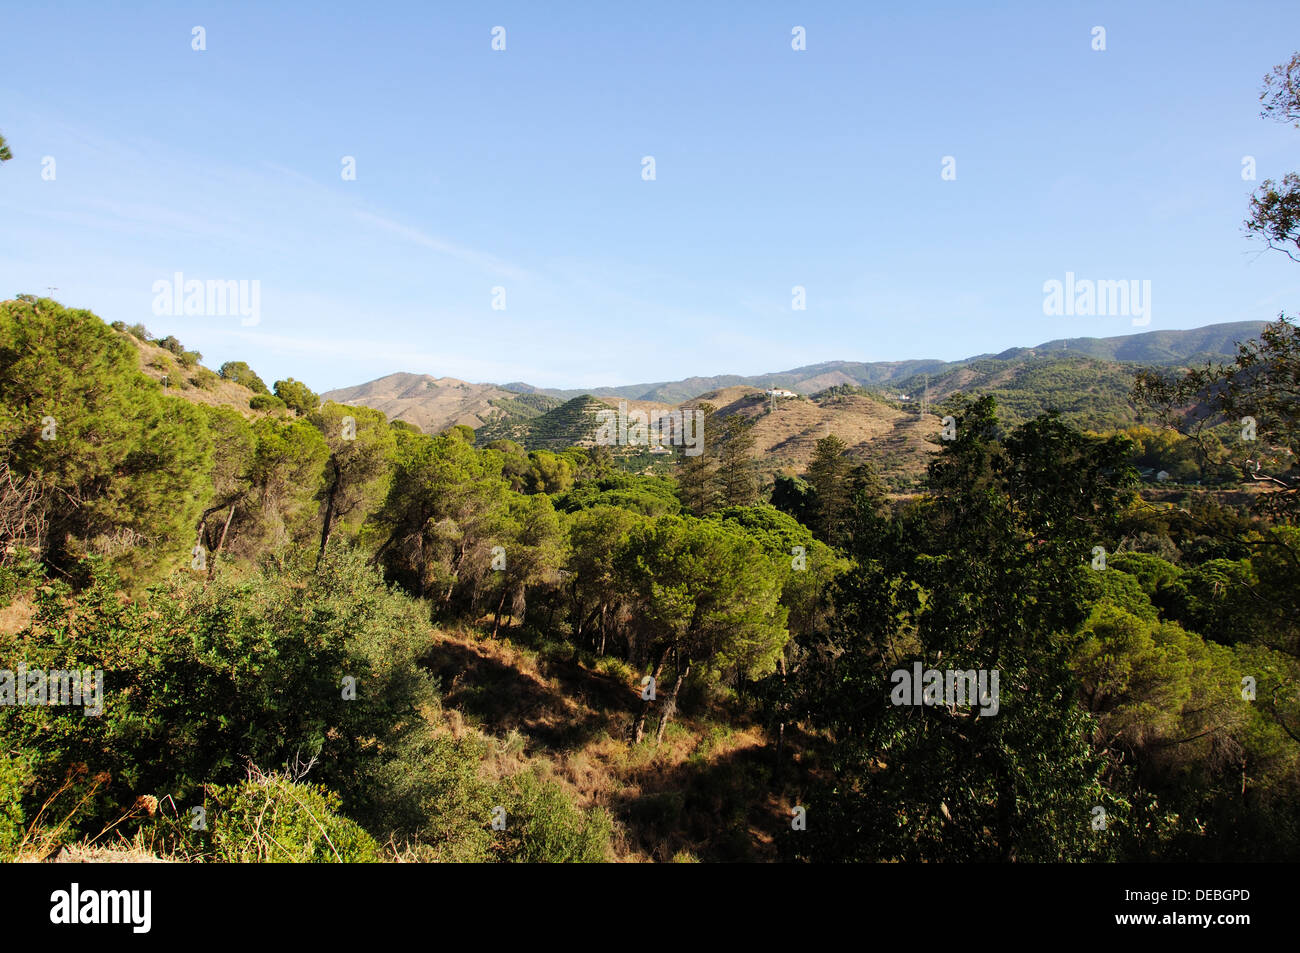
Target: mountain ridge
point(439, 402)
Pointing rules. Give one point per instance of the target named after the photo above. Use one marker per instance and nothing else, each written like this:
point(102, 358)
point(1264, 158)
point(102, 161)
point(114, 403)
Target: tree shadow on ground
point(724, 808)
point(501, 697)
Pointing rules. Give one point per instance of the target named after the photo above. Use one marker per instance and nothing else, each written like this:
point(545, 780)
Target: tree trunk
point(422, 583)
point(328, 526)
point(455, 570)
point(496, 622)
point(780, 727)
point(639, 731)
point(670, 706)
point(1006, 813)
point(212, 566)
point(379, 553)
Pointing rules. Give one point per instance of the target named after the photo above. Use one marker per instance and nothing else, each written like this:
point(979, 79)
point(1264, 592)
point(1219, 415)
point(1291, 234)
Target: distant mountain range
point(1092, 381)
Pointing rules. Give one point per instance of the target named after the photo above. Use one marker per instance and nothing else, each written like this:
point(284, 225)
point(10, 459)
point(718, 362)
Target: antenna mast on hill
point(925, 393)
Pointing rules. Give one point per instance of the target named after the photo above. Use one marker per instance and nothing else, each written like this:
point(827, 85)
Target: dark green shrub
point(297, 396)
point(265, 402)
point(240, 373)
point(204, 378)
point(543, 825)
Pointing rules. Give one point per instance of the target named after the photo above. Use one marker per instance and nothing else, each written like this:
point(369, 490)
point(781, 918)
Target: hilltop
point(430, 403)
point(876, 408)
point(1171, 347)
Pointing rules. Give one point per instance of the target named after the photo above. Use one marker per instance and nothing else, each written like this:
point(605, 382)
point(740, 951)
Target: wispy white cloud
point(481, 260)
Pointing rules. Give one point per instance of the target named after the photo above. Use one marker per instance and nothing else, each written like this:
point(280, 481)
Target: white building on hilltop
point(778, 392)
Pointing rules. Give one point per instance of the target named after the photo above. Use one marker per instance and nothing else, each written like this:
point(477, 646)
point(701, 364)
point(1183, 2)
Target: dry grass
point(157, 362)
point(16, 615)
point(704, 793)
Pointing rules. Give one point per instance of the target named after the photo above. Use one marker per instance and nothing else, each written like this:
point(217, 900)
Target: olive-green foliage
point(809, 567)
point(285, 477)
point(202, 679)
point(170, 343)
point(984, 573)
point(597, 534)
point(737, 472)
point(706, 591)
point(793, 495)
point(1180, 708)
point(1218, 599)
point(15, 778)
point(697, 475)
point(360, 465)
point(203, 378)
point(549, 473)
point(544, 826)
point(270, 819)
point(831, 504)
point(138, 331)
point(297, 396)
point(119, 468)
point(440, 517)
point(431, 794)
point(647, 495)
point(266, 402)
point(1153, 574)
point(1118, 588)
point(240, 373)
point(533, 538)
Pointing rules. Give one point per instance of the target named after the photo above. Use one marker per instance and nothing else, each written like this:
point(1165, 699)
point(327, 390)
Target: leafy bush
point(261, 824)
point(204, 378)
point(430, 793)
point(240, 373)
point(201, 678)
point(270, 819)
point(135, 330)
point(265, 402)
point(297, 396)
point(170, 343)
point(544, 826)
point(15, 778)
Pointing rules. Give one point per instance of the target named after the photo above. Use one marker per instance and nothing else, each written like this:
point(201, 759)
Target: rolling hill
point(1088, 379)
point(1149, 348)
point(430, 403)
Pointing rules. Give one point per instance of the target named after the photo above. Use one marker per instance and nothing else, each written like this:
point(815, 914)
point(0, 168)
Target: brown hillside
point(786, 431)
point(430, 403)
point(197, 384)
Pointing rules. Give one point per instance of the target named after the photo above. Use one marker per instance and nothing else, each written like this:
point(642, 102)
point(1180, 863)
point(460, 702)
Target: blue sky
point(522, 169)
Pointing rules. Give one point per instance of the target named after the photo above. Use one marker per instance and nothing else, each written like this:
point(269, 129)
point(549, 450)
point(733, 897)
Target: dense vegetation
point(324, 636)
point(268, 594)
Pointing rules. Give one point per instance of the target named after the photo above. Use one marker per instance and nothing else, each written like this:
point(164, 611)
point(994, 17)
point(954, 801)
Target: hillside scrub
point(394, 645)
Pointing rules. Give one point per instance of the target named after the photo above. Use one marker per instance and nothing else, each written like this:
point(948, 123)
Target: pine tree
point(832, 504)
point(697, 476)
point(737, 476)
point(120, 469)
